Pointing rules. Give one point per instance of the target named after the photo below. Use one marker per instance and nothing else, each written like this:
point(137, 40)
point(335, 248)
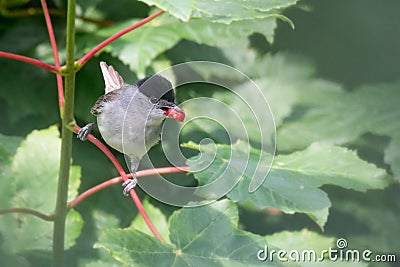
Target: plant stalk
point(61, 209)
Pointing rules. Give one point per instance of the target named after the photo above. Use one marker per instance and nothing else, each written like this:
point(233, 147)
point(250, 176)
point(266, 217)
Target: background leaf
point(34, 170)
point(302, 71)
point(294, 180)
point(344, 116)
point(300, 240)
point(217, 11)
point(200, 236)
point(8, 148)
point(181, 9)
point(140, 47)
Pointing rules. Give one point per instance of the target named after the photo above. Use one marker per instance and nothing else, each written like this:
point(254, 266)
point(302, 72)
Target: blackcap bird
point(130, 117)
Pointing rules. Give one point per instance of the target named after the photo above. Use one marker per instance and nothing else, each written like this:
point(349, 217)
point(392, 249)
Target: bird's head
point(160, 93)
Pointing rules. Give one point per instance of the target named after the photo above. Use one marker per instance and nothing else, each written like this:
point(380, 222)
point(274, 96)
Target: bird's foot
point(85, 131)
point(129, 184)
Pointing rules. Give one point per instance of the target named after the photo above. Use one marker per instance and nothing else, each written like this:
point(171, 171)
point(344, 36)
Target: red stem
point(95, 189)
point(106, 151)
point(30, 61)
point(55, 54)
point(124, 177)
point(134, 196)
point(117, 180)
point(145, 216)
point(91, 53)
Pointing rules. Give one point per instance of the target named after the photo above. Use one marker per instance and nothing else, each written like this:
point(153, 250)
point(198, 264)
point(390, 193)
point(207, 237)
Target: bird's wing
point(98, 106)
point(112, 79)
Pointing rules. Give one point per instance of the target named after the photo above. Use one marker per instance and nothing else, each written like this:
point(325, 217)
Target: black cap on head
point(156, 86)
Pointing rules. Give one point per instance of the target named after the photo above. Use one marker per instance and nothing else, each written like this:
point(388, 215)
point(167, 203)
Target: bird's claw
point(85, 131)
point(129, 185)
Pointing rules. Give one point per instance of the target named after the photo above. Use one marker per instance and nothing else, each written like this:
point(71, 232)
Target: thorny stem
point(61, 208)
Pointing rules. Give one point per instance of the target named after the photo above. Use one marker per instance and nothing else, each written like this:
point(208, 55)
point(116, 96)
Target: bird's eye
point(153, 100)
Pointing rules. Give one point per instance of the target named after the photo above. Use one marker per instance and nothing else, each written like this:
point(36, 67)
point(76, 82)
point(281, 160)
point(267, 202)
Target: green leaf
point(35, 169)
point(101, 222)
point(228, 11)
point(202, 31)
point(278, 79)
point(33, 178)
point(182, 9)
point(324, 164)
point(343, 116)
point(8, 148)
point(318, 110)
point(293, 182)
point(201, 236)
point(73, 228)
point(221, 11)
point(139, 48)
point(136, 49)
point(135, 247)
point(157, 218)
point(300, 241)
point(252, 105)
point(340, 117)
point(102, 263)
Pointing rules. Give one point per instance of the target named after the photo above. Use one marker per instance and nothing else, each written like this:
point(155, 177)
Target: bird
point(130, 117)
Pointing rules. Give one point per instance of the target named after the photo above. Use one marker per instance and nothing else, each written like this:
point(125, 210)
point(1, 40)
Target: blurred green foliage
point(334, 79)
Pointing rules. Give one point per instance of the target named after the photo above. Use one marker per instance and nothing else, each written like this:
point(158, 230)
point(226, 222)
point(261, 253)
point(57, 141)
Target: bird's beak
point(175, 113)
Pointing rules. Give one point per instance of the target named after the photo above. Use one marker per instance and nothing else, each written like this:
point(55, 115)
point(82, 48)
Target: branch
point(91, 53)
point(28, 211)
point(30, 61)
